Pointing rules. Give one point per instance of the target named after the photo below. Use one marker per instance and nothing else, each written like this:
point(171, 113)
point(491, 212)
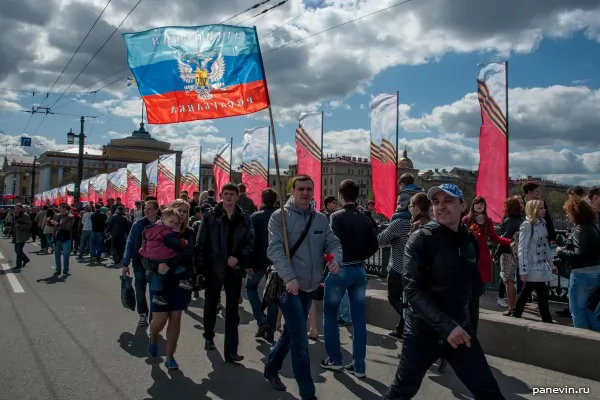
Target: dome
point(405, 162)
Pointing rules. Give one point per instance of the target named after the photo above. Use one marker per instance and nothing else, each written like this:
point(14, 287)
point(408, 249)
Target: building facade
point(18, 174)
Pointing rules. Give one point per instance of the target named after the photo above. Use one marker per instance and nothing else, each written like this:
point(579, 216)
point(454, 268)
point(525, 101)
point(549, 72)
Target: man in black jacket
point(440, 278)
point(118, 228)
point(259, 262)
point(226, 241)
point(245, 202)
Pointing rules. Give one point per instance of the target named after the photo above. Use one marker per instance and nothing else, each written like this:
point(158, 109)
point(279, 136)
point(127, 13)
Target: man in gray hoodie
point(302, 276)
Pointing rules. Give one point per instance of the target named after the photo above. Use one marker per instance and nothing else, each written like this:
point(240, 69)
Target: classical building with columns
point(18, 173)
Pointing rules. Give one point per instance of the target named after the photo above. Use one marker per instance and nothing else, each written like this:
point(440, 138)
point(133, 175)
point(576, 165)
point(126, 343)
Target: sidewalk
point(558, 346)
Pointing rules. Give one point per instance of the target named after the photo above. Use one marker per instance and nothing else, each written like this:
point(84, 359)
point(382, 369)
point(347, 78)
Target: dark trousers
point(117, 248)
point(233, 288)
point(395, 296)
point(469, 364)
point(474, 313)
point(140, 285)
point(43, 241)
point(542, 299)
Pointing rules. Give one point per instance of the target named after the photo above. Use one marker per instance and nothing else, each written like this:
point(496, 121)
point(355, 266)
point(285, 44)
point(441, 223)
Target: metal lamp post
point(32, 194)
point(71, 140)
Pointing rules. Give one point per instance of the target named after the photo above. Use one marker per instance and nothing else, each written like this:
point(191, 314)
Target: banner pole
point(275, 156)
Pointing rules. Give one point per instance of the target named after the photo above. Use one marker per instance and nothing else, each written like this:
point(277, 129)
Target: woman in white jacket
point(535, 260)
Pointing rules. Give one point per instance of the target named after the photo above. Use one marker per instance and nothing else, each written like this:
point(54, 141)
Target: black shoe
point(270, 339)
point(209, 344)
point(341, 322)
point(233, 358)
point(196, 294)
point(275, 381)
point(56, 273)
point(395, 334)
point(262, 331)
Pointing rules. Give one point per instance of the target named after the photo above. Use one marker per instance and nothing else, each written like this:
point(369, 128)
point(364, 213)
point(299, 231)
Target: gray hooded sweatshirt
point(307, 265)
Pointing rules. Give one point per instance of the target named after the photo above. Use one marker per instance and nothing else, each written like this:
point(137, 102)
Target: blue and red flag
point(196, 73)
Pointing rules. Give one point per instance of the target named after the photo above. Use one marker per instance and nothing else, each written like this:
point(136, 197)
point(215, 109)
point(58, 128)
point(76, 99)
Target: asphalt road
point(71, 339)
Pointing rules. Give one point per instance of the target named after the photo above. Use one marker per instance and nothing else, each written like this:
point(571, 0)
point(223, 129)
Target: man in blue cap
point(440, 278)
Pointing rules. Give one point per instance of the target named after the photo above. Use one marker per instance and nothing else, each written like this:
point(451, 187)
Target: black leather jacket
point(440, 278)
point(583, 247)
point(212, 244)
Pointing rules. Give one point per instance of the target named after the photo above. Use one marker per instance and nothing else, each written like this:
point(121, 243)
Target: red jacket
point(485, 258)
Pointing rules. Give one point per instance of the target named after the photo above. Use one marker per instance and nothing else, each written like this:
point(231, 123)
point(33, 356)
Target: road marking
point(35, 244)
point(12, 279)
point(1, 256)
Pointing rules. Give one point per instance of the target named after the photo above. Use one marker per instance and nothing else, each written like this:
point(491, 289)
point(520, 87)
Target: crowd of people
point(439, 267)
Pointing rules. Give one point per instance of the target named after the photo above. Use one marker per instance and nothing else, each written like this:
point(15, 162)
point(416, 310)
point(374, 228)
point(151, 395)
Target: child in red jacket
point(161, 244)
point(482, 227)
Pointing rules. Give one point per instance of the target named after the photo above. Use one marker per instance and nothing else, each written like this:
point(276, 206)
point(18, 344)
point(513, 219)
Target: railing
point(377, 264)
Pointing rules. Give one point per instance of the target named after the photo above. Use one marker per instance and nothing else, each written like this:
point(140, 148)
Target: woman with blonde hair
point(177, 298)
point(535, 260)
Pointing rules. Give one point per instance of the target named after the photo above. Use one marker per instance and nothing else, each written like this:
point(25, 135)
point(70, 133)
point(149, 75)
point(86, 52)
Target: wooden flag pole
point(275, 156)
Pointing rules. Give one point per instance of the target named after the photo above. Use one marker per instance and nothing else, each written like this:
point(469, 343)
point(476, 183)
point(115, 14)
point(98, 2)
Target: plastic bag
point(127, 293)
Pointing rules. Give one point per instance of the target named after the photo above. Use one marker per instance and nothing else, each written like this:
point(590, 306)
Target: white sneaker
point(502, 303)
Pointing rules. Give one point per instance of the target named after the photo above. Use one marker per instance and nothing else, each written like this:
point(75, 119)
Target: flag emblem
point(194, 71)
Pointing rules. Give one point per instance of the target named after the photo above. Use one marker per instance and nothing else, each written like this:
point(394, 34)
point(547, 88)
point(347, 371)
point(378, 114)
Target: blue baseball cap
point(449, 188)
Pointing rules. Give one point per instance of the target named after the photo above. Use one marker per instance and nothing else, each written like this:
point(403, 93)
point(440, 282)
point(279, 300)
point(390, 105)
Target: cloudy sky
point(428, 50)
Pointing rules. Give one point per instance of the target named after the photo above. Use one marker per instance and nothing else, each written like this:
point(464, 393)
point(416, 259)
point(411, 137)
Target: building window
point(331, 181)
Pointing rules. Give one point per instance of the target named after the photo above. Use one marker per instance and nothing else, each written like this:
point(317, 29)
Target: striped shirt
point(395, 235)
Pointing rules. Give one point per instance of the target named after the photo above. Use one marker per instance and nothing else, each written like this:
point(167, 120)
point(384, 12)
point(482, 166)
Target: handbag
point(127, 293)
point(275, 286)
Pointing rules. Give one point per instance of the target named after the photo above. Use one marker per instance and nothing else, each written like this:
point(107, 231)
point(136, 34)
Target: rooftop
point(86, 150)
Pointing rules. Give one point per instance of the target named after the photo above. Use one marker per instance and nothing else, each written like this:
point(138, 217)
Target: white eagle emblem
point(200, 80)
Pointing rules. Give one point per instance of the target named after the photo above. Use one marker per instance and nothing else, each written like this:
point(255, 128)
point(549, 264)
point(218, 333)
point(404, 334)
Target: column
point(45, 179)
point(210, 182)
point(17, 184)
point(60, 175)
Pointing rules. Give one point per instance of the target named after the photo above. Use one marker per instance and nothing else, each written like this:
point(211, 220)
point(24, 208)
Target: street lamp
point(71, 140)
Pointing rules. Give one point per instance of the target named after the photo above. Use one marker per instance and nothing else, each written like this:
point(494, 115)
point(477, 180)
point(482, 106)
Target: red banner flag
point(384, 142)
point(134, 185)
point(309, 139)
point(222, 167)
point(492, 177)
point(165, 190)
point(152, 176)
point(255, 162)
point(190, 170)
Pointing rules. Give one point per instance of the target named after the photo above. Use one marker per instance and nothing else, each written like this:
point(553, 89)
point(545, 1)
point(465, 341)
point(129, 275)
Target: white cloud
point(331, 65)
point(548, 116)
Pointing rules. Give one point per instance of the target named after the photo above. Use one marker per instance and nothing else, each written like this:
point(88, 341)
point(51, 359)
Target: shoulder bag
point(275, 286)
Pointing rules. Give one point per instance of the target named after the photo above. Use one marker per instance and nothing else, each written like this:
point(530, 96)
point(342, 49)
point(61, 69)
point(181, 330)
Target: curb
point(559, 348)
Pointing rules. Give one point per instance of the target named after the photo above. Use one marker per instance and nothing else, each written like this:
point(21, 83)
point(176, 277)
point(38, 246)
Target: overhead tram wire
point(84, 92)
point(78, 48)
point(245, 11)
point(336, 26)
point(264, 12)
point(99, 50)
point(293, 19)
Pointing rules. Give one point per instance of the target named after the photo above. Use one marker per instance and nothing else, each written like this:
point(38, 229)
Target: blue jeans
point(62, 248)
point(353, 280)
point(345, 313)
point(256, 304)
point(582, 283)
point(97, 245)
point(295, 338)
point(140, 284)
point(49, 241)
point(86, 238)
point(21, 257)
